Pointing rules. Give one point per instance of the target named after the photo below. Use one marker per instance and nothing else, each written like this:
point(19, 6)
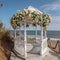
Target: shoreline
point(55, 39)
point(38, 37)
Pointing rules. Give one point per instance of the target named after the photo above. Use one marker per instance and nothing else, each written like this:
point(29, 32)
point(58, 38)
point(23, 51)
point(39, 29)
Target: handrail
point(55, 45)
point(18, 54)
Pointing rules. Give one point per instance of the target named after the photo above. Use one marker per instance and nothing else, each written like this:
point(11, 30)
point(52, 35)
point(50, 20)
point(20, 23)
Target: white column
point(25, 40)
point(36, 32)
point(41, 41)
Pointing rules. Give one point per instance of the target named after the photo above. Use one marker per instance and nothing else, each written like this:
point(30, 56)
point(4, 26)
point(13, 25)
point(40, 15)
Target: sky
point(51, 7)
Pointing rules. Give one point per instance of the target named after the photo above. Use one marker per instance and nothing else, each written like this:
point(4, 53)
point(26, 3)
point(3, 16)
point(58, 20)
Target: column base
point(44, 48)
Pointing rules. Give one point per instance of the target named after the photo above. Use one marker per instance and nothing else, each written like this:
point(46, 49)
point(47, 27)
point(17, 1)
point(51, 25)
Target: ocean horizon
point(50, 34)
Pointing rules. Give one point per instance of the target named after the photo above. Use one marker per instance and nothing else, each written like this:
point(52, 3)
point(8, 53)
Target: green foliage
point(5, 33)
point(6, 39)
point(1, 24)
point(13, 22)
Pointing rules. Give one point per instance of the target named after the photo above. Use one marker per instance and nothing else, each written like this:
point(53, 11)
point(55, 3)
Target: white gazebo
point(26, 17)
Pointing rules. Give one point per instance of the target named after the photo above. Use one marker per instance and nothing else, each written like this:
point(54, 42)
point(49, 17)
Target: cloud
point(56, 18)
point(54, 9)
point(55, 23)
point(54, 6)
point(51, 7)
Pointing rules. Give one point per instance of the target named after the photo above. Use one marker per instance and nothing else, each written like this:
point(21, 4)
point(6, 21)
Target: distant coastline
point(50, 34)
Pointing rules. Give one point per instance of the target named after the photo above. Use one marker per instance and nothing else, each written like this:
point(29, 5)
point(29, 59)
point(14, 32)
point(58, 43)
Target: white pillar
point(36, 32)
point(25, 40)
point(43, 46)
point(41, 42)
point(41, 51)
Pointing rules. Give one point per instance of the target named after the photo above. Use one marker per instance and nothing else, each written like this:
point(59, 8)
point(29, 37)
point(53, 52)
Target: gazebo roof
point(34, 9)
point(31, 15)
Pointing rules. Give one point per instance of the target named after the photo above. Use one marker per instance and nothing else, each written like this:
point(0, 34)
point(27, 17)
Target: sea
point(50, 34)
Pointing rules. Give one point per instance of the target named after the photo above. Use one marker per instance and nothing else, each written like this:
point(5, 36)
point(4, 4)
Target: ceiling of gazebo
point(31, 15)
